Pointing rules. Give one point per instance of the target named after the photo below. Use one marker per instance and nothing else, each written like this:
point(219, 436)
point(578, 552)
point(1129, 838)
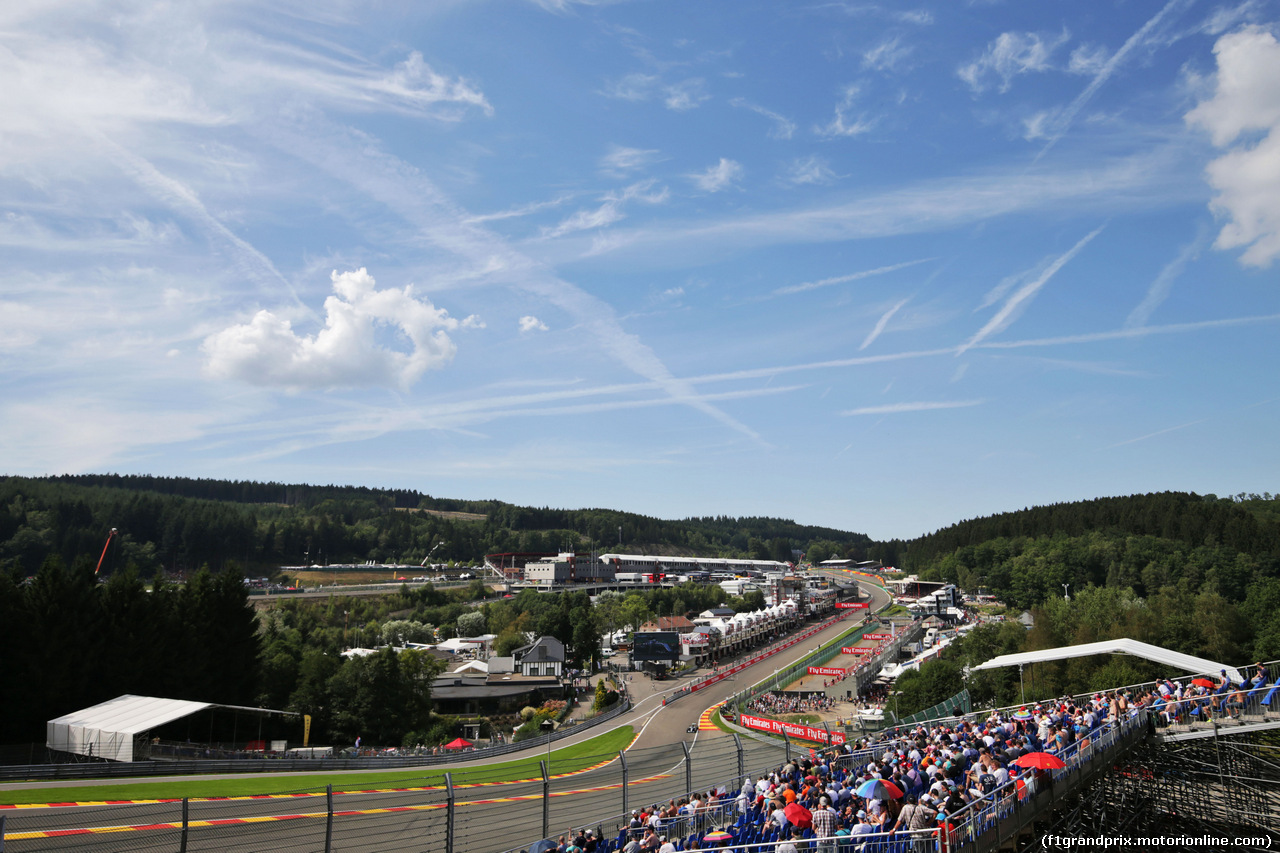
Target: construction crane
point(110, 536)
point(432, 551)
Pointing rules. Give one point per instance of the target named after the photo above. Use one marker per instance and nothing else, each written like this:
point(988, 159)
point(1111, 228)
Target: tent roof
point(1177, 660)
point(131, 714)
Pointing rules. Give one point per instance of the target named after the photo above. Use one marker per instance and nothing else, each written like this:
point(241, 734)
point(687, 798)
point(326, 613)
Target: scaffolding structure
point(1226, 786)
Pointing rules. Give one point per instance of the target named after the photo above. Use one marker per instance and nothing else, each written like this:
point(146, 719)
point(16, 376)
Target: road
point(489, 817)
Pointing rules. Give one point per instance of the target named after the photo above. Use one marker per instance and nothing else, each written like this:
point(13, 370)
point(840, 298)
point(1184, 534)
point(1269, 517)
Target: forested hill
point(180, 524)
point(1158, 544)
point(1247, 524)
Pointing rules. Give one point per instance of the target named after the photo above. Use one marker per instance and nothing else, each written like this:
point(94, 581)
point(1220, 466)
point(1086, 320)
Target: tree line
point(178, 524)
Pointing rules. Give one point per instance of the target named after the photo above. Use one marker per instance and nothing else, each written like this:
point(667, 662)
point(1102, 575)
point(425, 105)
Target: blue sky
point(878, 266)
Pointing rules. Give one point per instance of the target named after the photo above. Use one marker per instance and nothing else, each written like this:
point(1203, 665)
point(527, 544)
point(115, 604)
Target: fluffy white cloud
point(717, 177)
point(529, 323)
point(1245, 111)
point(1008, 56)
point(347, 352)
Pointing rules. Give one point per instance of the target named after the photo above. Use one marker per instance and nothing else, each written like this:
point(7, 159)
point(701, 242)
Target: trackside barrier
point(717, 677)
point(109, 769)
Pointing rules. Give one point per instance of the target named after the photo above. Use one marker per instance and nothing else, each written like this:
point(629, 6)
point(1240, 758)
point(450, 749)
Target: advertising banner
point(877, 636)
point(849, 605)
point(856, 650)
point(763, 724)
point(824, 670)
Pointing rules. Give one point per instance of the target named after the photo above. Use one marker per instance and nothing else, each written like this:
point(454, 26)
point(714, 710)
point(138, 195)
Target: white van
point(930, 637)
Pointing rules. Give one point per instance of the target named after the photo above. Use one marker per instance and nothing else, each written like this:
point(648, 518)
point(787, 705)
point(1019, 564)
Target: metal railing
point(116, 769)
point(999, 815)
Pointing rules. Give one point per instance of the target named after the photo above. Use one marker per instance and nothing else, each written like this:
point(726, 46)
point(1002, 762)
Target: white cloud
point(516, 212)
point(414, 84)
point(1010, 55)
point(889, 55)
point(610, 210)
point(1159, 289)
point(1088, 59)
point(841, 279)
point(1023, 295)
point(1226, 18)
point(844, 124)
point(621, 161)
point(1148, 33)
point(347, 352)
point(1245, 110)
point(633, 87)
point(881, 324)
point(529, 323)
point(810, 170)
point(898, 408)
point(717, 177)
point(686, 95)
point(783, 127)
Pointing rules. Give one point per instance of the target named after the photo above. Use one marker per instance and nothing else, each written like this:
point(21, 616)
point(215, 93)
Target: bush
point(527, 712)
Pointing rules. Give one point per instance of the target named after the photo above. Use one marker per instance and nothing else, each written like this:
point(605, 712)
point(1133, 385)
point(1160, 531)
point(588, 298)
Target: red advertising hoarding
point(856, 650)
point(843, 605)
point(825, 670)
point(877, 636)
point(763, 724)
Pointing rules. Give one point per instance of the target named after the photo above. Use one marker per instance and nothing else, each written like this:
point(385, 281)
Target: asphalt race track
point(489, 817)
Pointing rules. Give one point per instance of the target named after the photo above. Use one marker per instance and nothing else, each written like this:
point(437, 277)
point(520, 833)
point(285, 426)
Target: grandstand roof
point(1177, 660)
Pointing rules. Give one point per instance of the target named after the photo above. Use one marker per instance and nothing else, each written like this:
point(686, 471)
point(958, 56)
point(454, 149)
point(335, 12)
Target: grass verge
point(569, 759)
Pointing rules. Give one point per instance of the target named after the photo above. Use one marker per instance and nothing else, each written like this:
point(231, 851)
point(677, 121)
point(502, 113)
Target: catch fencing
point(87, 769)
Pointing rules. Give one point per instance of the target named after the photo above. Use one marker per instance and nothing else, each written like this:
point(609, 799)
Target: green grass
point(566, 760)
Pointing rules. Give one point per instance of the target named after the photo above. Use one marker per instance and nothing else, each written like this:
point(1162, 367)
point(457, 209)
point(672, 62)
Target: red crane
point(110, 536)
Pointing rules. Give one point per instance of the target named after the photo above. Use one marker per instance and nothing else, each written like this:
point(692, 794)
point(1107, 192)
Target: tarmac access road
point(489, 817)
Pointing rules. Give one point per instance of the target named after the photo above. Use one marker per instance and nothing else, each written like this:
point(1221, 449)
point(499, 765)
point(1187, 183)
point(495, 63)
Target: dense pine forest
point(1199, 575)
point(177, 524)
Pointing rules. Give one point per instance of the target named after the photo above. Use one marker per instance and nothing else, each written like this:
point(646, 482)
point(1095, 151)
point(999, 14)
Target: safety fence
point(956, 705)
point(865, 671)
point(114, 769)
point(764, 654)
point(464, 811)
point(459, 811)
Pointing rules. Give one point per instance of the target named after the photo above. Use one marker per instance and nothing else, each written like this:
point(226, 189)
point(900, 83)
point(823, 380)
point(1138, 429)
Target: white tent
point(107, 730)
point(1176, 660)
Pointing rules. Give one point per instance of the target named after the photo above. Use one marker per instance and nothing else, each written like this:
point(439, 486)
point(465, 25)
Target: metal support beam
point(328, 823)
point(450, 811)
point(688, 768)
point(182, 846)
point(787, 740)
point(622, 758)
point(546, 800)
point(742, 760)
